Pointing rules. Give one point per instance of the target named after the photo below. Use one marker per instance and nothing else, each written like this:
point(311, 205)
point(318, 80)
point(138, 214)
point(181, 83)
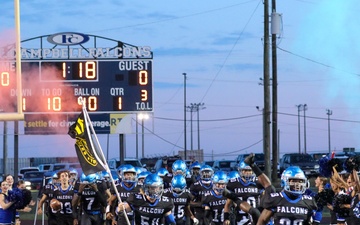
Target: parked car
point(224, 165)
point(304, 161)
point(33, 179)
point(66, 166)
point(165, 161)
point(23, 170)
point(318, 155)
point(210, 163)
point(46, 167)
point(259, 159)
point(114, 163)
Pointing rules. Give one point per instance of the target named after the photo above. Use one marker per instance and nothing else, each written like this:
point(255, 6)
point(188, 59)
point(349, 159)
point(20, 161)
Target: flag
point(87, 147)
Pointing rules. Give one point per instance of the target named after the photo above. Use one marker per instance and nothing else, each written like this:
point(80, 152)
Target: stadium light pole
point(329, 113)
point(142, 117)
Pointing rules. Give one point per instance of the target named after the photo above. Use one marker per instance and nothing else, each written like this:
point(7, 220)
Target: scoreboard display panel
point(57, 86)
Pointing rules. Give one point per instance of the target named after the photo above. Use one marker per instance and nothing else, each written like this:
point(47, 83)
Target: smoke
point(329, 35)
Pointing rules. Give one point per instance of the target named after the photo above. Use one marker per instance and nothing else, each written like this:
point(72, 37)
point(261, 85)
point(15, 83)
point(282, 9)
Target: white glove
point(196, 221)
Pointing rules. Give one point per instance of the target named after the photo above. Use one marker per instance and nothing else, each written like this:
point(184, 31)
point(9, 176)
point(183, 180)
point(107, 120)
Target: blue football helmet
point(294, 180)
point(105, 175)
point(245, 171)
point(153, 186)
point(162, 172)
point(178, 185)
point(220, 180)
point(195, 168)
point(73, 172)
point(233, 174)
point(89, 179)
point(131, 174)
point(179, 167)
point(206, 173)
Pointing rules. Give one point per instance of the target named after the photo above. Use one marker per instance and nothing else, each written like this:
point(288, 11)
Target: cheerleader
point(7, 213)
point(341, 200)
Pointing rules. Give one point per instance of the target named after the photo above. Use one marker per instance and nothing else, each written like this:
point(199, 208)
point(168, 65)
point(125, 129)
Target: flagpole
point(102, 160)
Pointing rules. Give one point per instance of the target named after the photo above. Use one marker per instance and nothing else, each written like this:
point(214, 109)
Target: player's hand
point(196, 221)
point(39, 211)
point(121, 207)
point(109, 216)
point(75, 222)
point(94, 187)
point(82, 187)
point(226, 222)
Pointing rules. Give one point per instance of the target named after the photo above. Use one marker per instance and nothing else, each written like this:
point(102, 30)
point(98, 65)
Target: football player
point(181, 197)
point(127, 186)
point(214, 201)
point(150, 206)
point(91, 200)
point(199, 189)
point(247, 195)
point(291, 205)
point(64, 193)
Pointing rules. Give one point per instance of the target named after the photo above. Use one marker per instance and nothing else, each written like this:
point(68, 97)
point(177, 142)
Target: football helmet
point(128, 174)
point(294, 180)
point(162, 172)
point(245, 171)
point(105, 175)
point(179, 167)
point(195, 168)
point(178, 185)
point(88, 179)
point(220, 180)
point(153, 186)
point(73, 172)
point(206, 172)
point(233, 174)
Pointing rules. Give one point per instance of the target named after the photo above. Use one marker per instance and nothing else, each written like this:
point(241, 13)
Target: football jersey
point(198, 190)
point(147, 212)
point(65, 197)
point(91, 201)
point(125, 191)
point(216, 204)
point(180, 202)
point(288, 211)
point(245, 191)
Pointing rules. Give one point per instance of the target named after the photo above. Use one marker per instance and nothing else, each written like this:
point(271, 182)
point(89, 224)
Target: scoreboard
point(57, 86)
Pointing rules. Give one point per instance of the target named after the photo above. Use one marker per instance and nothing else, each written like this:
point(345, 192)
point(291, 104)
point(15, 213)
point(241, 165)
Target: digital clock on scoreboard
point(56, 86)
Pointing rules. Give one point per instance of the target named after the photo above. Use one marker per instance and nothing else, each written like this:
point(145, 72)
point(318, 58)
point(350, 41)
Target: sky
point(219, 45)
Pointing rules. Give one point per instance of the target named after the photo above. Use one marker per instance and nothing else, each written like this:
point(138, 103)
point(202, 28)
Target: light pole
point(137, 137)
point(305, 108)
point(184, 74)
point(199, 107)
point(329, 113)
point(142, 117)
point(299, 139)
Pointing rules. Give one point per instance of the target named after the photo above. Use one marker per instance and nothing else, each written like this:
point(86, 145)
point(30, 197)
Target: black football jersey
point(198, 190)
point(246, 191)
point(216, 204)
point(180, 202)
point(147, 212)
point(288, 211)
point(125, 191)
point(167, 180)
point(65, 197)
point(91, 201)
